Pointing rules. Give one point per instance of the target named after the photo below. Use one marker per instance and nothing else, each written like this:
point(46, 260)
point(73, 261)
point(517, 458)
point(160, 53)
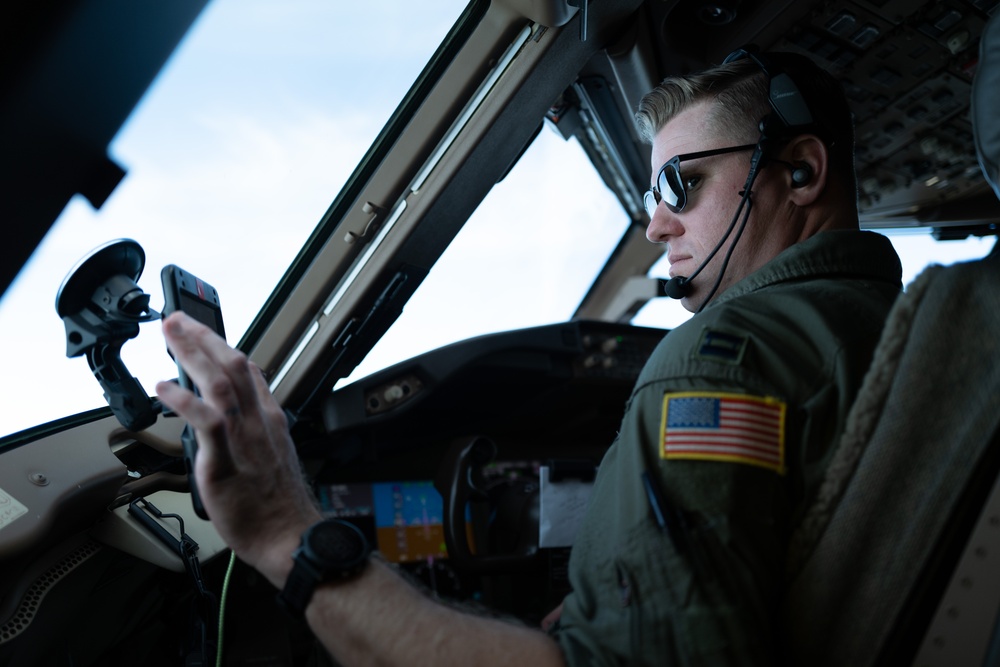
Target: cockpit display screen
point(403, 519)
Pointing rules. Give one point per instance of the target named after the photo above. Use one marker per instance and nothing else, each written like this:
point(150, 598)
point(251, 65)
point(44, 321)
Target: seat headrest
point(985, 109)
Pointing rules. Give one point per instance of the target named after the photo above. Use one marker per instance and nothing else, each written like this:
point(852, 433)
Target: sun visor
point(986, 102)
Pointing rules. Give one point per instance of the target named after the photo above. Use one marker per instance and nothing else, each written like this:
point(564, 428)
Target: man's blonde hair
point(739, 90)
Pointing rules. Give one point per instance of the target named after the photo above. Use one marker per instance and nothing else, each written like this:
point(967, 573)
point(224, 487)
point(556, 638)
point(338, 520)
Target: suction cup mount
point(102, 307)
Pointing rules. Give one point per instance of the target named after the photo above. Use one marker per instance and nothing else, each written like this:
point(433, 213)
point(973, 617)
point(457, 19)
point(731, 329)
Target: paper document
point(562, 506)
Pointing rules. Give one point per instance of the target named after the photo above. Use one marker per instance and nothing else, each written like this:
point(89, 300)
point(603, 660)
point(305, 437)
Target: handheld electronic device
point(185, 291)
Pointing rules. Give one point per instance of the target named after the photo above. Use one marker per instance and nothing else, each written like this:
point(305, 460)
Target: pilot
point(736, 415)
point(687, 545)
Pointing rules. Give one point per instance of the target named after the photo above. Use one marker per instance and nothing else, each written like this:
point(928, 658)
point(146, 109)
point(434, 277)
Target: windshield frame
point(380, 149)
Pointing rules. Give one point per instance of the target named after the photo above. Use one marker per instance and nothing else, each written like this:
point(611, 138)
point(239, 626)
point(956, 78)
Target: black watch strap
point(298, 591)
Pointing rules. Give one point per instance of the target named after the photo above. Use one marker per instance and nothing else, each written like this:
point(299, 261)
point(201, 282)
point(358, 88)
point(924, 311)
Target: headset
point(790, 115)
point(791, 112)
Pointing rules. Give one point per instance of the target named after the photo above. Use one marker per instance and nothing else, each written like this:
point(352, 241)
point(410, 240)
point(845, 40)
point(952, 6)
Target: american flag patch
point(724, 427)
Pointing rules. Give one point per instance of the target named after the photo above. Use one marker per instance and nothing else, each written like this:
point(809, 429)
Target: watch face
point(338, 543)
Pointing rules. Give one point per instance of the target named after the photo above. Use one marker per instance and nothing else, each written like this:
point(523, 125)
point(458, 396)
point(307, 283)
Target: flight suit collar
point(838, 253)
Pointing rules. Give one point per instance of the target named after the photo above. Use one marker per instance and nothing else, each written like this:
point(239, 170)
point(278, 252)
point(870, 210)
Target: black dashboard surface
point(564, 383)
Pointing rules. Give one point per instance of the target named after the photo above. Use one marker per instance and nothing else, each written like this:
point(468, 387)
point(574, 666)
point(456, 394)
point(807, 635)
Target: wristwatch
point(331, 550)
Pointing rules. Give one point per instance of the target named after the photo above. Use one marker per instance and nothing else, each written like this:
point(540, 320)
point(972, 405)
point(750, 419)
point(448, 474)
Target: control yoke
point(102, 307)
point(459, 481)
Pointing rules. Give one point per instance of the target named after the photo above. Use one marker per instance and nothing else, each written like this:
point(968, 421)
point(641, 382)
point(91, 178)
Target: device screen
point(201, 310)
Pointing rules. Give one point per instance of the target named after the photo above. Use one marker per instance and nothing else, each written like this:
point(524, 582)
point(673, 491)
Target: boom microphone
point(677, 288)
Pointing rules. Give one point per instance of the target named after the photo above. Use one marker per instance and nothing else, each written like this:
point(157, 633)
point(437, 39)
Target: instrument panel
point(552, 395)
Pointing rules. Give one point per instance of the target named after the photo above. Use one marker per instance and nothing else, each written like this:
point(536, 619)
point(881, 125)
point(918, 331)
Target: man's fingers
point(237, 404)
point(215, 457)
point(266, 399)
point(552, 617)
point(203, 354)
point(187, 405)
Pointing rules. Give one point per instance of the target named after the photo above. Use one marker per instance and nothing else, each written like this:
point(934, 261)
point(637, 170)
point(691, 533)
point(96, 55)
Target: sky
point(238, 149)
point(232, 158)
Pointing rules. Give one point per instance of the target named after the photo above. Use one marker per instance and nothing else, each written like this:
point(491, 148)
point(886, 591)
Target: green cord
point(222, 608)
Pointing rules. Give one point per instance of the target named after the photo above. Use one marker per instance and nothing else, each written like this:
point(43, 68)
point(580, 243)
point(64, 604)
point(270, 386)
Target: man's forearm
point(251, 482)
point(380, 619)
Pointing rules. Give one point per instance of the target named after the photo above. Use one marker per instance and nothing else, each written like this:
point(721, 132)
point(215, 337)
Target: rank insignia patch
point(721, 347)
point(724, 427)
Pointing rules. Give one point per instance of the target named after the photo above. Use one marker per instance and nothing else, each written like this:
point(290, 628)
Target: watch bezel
point(327, 563)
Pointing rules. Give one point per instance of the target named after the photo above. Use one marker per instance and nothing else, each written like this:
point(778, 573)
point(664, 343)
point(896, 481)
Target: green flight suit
point(792, 340)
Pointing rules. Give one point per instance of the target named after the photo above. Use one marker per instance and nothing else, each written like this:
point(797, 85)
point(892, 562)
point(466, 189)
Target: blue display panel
point(403, 519)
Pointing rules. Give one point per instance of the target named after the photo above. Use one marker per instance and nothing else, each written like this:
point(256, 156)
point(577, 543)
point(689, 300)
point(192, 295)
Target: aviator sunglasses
point(669, 186)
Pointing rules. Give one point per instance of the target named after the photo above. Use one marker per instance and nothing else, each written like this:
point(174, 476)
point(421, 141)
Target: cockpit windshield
point(234, 156)
point(525, 258)
point(231, 160)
